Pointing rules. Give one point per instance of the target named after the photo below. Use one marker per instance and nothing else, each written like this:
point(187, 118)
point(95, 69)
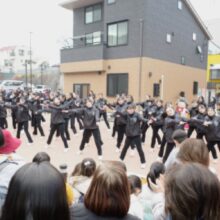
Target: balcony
point(77, 56)
point(74, 4)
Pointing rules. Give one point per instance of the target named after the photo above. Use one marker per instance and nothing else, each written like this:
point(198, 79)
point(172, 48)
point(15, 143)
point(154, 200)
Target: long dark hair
point(37, 191)
point(156, 170)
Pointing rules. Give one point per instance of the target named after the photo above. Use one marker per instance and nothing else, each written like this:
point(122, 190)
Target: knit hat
point(8, 143)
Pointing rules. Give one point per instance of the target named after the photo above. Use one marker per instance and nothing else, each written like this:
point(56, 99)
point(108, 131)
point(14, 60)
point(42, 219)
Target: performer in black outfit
point(133, 132)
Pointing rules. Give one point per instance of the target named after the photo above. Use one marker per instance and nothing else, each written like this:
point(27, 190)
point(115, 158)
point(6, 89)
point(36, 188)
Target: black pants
point(14, 122)
point(121, 133)
point(144, 128)
point(60, 128)
point(37, 126)
point(25, 126)
point(155, 136)
point(104, 115)
point(169, 148)
point(96, 134)
point(211, 147)
point(73, 120)
point(200, 136)
point(90, 135)
point(137, 142)
point(190, 131)
point(114, 129)
point(162, 146)
point(66, 130)
point(3, 123)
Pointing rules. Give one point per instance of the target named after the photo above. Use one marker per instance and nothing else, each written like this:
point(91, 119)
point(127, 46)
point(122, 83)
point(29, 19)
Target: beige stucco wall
point(177, 78)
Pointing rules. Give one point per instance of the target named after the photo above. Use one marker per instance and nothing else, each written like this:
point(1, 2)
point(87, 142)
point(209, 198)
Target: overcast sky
point(51, 24)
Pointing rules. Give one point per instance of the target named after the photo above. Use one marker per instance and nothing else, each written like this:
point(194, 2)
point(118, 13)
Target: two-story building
point(137, 47)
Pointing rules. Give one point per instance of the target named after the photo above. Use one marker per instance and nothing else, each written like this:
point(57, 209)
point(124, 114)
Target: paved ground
point(71, 158)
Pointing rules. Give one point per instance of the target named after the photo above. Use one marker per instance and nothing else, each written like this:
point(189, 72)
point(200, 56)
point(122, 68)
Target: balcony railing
point(83, 41)
point(82, 48)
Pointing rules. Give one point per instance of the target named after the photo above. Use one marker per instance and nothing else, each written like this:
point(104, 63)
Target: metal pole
point(30, 61)
point(26, 73)
point(162, 87)
point(141, 55)
point(41, 70)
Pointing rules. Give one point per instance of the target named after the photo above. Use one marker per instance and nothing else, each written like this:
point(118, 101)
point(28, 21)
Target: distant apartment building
point(136, 47)
point(213, 75)
point(12, 58)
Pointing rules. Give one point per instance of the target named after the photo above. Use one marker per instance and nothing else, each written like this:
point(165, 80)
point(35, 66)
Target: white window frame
point(194, 36)
point(169, 38)
point(180, 5)
point(110, 2)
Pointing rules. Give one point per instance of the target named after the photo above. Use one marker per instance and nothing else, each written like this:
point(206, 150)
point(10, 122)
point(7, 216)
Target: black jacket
point(37, 109)
point(193, 112)
point(57, 114)
point(79, 212)
point(170, 125)
point(100, 104)
point(3, 111)
point(22, 113)
point(90, 116)
point(146, 107)
point(120, 120)
point(133, 124)
point(198, 121)
point(157, 116)
point(213, 129)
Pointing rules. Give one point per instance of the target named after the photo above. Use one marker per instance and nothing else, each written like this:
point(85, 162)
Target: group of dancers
point(131, 120)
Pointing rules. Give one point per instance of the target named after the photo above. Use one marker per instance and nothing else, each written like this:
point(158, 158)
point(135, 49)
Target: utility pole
point(26, 74)
point(31, 60)
point(41, 71)
point(140, 58)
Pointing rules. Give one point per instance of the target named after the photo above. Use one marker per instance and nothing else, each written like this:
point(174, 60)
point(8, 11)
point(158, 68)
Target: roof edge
point(199, 20)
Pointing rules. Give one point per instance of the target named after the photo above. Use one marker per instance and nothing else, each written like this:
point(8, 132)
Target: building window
point(81, 89)
point(12, 53)
point(93, 38)
point(21, 52)
point(195, 88)
point(169, 38)
point(199, 49)
point(156, 90)
point(215, 74)
point(194, 36)
point(93, 14)
point(111, 2)
point(183, 60)
point(118, 34)
point(180, 5)
point(117, 84)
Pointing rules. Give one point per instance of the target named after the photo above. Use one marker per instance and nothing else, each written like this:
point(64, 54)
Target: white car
point(41, 88)
point(9, 85)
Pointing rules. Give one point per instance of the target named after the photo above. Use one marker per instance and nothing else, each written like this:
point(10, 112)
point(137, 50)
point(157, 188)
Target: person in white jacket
point(10, 162)
point(136, 208)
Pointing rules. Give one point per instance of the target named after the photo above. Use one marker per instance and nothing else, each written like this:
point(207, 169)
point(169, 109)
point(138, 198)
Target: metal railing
point(82, 41)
